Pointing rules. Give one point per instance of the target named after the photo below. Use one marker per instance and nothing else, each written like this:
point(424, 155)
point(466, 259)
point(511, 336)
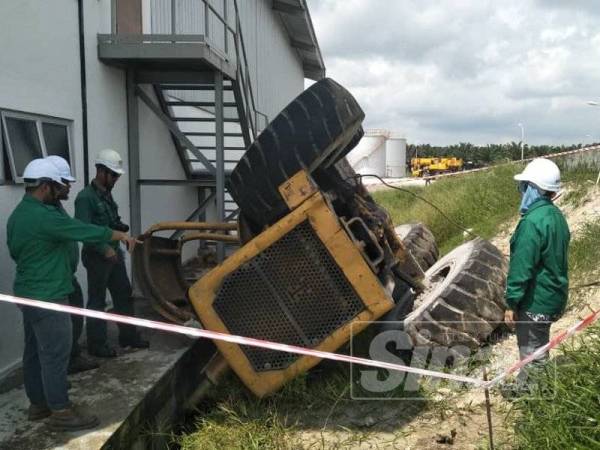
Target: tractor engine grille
point(293, 292)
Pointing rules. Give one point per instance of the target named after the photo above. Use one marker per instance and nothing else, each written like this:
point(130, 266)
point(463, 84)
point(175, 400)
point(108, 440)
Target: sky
point(450, 71)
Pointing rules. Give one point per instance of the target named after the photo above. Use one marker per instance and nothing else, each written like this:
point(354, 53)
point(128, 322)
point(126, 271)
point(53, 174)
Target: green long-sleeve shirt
point(538, 279)
point(73, 246)
point(95, 206)
point(38, 238)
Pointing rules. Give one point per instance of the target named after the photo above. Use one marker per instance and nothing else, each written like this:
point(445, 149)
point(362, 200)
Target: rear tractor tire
point(465, 301)
point(420, 242)
point(314, 131)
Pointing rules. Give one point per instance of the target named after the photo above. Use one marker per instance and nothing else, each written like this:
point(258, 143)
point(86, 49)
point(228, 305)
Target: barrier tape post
point(488, 410)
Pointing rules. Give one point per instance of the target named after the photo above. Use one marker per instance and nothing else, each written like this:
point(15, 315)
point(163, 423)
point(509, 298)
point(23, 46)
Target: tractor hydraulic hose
point(456, 224)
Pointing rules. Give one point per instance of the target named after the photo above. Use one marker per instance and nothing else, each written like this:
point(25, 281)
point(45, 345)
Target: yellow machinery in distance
point(421, 167)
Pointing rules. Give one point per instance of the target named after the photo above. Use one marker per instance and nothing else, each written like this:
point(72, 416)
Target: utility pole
point(520, 125)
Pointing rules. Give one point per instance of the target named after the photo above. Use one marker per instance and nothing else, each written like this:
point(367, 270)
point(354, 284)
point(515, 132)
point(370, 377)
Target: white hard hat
point(111, 160)
point(63, 167)
point(542, 172)
point(40, 170)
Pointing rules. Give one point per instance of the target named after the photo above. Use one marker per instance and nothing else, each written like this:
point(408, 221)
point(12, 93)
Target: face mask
point(530, 195)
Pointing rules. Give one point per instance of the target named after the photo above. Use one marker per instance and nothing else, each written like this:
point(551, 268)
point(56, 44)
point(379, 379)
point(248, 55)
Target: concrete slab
point(117, 393)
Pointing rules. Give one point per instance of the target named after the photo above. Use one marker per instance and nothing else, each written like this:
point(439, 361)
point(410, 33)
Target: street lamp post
point(593, 103)
point(520, 125)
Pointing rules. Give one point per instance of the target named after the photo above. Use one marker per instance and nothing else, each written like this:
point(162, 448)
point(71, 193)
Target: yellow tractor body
point(303, 281)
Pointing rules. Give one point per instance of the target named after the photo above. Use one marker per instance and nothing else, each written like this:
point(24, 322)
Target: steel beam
point(232, 215)
point(303, 45)
point(175, 129)
point(287, 8)
point(133, 139)
point(220, 157)
point(192, 182)
point(175, 76)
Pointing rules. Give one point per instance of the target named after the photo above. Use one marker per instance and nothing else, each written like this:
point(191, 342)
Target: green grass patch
point(584, 251)
point(482, 201)
point(233, 418)
point(567, 415)
point(580, 180)
point(227, 428)
point(580, 174)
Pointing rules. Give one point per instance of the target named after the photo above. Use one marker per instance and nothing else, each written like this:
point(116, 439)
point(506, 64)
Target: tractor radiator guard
point(303, 281)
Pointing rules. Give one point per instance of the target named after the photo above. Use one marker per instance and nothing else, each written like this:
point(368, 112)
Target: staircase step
point(201, 104)
point(227, 161)
point(203, 119)
point(197, 133)
point(225, 148)
point(192, 87)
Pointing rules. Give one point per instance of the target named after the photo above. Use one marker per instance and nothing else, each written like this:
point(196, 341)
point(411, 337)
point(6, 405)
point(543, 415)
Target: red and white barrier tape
point(232, 338)
point(190, 331)
point(554, 341)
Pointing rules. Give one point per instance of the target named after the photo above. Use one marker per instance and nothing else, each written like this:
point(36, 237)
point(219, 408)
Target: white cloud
point(467, 70)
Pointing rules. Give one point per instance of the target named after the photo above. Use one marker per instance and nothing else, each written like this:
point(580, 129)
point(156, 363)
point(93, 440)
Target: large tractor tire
point(465, 302)
point(420, 242)
point(314, 131)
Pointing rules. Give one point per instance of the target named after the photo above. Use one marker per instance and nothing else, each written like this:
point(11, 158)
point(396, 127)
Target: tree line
point(483, 155)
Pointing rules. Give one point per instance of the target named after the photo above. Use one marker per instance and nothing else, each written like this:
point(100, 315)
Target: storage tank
point(395, 151)
point(368, 157)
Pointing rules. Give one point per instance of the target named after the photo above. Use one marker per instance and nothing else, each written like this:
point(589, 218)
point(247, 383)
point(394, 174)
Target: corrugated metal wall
point(275, 68)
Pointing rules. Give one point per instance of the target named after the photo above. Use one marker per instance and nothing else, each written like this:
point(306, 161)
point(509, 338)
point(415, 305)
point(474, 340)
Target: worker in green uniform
point(38, 237)
point(538, 282)
point(105, 263)
point(77, 363)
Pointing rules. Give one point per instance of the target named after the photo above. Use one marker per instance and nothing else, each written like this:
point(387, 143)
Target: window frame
point(39, 121)
point(3, 179)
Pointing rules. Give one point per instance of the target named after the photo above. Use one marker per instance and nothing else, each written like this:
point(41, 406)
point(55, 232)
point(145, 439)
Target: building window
point(27, 136)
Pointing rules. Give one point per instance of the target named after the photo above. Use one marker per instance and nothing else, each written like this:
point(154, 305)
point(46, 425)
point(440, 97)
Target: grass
point(233, 418)
point(481, 201)
point(570, 417)
point(226, 428)
point(584, 251)
point(580, 180)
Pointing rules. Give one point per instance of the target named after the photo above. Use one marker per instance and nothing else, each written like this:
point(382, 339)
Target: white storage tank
point(395, 150)
point(369, 156)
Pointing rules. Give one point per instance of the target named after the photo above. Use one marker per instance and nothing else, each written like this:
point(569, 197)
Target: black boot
point(134, 341)
point(102, 351)
point(81, 364)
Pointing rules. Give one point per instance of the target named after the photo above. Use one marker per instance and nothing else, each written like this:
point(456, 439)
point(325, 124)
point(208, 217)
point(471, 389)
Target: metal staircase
point(193, 108)
point(192, 55)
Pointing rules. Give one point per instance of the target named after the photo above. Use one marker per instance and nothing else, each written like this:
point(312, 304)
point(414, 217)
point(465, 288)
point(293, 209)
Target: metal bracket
point(361, 244)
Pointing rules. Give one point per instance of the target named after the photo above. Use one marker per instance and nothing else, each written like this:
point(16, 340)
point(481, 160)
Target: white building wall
point(40, 74)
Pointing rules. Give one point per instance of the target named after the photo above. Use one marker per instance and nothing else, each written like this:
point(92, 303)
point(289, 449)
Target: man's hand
point(509, 318)
point(129, 241)
point(111, 255)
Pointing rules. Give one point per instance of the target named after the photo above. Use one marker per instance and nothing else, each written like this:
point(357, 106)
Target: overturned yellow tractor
point(317, 257)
